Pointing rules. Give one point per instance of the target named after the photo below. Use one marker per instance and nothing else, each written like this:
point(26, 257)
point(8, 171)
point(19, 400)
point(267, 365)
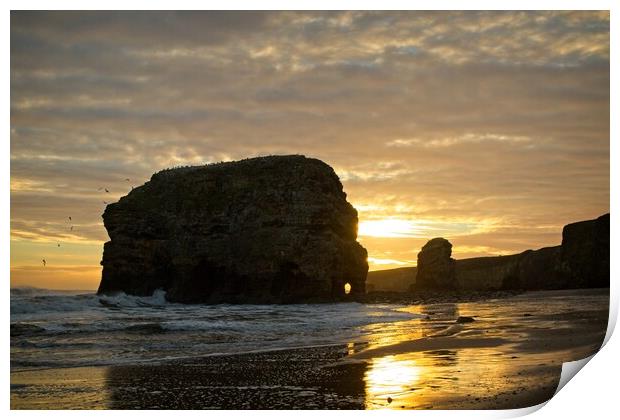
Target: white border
point(591, 394)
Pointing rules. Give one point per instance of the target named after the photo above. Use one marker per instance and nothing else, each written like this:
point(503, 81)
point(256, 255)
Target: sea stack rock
point(274, 229)
point(435, 265)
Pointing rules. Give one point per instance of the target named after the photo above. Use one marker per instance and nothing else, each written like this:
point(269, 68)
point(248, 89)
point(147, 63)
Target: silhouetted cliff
point(582, 261)
point(392, 280)
point(270, 229)
point(585, 252)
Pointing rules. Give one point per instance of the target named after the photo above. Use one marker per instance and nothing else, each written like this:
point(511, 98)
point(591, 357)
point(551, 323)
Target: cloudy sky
point(489, 129)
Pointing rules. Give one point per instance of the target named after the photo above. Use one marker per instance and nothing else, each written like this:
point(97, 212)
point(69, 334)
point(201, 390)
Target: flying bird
point(58, 245)
point(99, 189)
point(105, 202)
point(106, 190)
point(44, 262)
point(69, 218)
point(127, 179)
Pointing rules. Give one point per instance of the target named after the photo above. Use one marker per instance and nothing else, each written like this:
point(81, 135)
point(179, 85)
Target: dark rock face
point(540, 269)
point(435, 266)
point(586, 252)
point(487, 273)
point(275, 229)
point(582, 261)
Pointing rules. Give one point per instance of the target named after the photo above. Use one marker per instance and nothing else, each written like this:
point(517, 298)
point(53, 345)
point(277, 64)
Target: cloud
point(451, 141)
point(496, 118)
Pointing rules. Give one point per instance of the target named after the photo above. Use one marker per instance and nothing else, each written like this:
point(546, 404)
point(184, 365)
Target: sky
point(490, 129)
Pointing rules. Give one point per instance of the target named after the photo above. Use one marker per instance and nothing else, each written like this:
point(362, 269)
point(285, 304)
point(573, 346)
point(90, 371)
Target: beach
point(510, 356)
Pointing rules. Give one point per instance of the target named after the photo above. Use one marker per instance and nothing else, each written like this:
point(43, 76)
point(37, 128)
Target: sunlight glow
point(388, 261)
point(347, 288)
point(389, 377)
point(389, 228)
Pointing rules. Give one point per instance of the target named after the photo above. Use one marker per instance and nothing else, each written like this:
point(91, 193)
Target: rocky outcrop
point(274, 229)
point(582, 261)
point(435, 265)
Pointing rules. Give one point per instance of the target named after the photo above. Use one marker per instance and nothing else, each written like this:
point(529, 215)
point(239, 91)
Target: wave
point(50, 327)
point(27, 300)
point(45, 303)
point(122, 300)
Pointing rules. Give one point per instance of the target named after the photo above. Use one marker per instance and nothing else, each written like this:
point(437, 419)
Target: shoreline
point(312, 378)
point(505, 358)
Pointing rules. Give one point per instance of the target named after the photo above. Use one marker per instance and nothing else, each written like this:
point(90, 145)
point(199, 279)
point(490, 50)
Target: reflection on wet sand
point(68, 389)
point(388, 379)
point(510, 357)
point(455, 379)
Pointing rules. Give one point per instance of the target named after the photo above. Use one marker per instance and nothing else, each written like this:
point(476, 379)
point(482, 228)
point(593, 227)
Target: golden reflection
point(437, 378)
point(389, 377)
point(66, 389)
point(381, 334)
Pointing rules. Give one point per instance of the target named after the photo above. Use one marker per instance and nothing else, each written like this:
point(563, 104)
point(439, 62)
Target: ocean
point(54, 329)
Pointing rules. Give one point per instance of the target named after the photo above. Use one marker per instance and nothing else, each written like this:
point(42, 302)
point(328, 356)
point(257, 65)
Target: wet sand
point(506, 358)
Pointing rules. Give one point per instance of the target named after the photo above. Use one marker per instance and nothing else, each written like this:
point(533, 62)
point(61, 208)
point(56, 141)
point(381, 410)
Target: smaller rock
point(464, 319)
point(435, 266)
